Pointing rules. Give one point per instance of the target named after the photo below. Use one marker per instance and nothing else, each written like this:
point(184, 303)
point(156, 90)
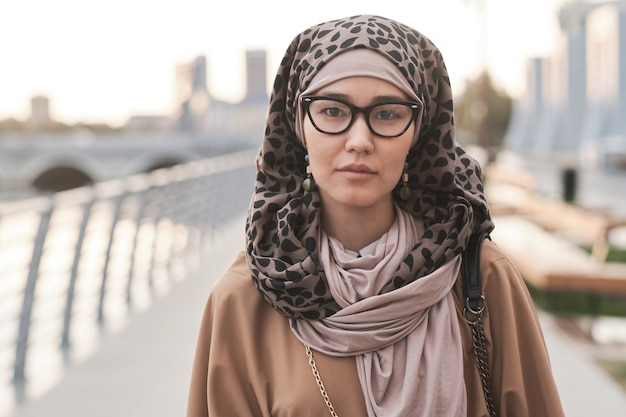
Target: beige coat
point(248, 362)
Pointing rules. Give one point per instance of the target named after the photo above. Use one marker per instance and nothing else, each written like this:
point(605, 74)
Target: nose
point(359, 136)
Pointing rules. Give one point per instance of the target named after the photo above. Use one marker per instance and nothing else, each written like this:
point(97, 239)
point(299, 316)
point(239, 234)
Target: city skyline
point(105, 61)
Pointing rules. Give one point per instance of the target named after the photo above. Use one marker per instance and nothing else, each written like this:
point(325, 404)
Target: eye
point(385, 114)
point(334, 110)
point(390, 112)
point(329, 109)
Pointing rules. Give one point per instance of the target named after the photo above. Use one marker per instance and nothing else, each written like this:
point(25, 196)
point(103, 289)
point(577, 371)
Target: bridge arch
point(61, 178)
point(161, 158)
point(62, 170)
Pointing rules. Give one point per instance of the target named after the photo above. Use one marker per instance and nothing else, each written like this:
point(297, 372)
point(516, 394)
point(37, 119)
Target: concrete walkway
point(586, 390)
point(144, 370)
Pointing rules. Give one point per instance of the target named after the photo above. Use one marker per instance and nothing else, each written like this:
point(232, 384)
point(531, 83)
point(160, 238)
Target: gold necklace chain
point(320, 384)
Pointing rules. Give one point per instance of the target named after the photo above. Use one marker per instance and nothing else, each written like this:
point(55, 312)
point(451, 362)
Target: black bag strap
point(473, 312)
point(472, 289)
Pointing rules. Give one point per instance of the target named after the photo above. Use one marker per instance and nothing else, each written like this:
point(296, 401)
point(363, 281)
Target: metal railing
point(81, 261)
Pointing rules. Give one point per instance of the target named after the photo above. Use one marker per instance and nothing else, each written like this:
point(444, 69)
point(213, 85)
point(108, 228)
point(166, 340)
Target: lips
point(361, 168)
point(357, 171)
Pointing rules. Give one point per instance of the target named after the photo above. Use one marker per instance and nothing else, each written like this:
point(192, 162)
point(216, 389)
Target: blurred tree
point(11, 125)
point(485, 112)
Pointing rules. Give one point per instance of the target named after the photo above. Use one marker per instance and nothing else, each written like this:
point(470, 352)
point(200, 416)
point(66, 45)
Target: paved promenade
point(144, 370)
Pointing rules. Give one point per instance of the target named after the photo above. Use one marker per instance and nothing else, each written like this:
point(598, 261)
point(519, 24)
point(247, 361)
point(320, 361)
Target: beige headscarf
point(406, 342)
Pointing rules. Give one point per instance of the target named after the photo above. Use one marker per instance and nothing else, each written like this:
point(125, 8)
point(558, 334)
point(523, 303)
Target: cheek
point(394, 172)
point(318, 144)
point(400, 152)
point(314, 147)
point(398, 168)
point(318, 160)
point(307, 131)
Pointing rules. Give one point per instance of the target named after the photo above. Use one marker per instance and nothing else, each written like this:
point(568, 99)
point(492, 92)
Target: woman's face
point(347, 172)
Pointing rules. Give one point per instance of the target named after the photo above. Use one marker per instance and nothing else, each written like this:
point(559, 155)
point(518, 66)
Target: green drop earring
point(405, 191)
point(309, 182)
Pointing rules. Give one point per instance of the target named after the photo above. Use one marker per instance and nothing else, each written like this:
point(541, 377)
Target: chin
point(360, 201)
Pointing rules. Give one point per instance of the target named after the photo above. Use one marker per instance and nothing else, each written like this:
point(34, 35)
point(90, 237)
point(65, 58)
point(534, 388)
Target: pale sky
point(102, 61)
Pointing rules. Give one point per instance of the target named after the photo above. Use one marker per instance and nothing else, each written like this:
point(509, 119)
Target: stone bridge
point(56, 163)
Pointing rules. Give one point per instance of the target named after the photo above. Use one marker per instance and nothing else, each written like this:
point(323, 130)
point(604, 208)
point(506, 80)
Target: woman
point(348, 300)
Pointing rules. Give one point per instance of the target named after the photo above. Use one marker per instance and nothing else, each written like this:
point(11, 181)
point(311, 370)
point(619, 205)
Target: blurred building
point(576, 99)
point(149, 123)
point(243, 122)
point(192, 96)
point(256, 75)
point(39, 118)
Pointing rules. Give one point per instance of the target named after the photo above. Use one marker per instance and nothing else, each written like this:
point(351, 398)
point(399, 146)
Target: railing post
point(19, 373)
point(139, 219)
point(65, 336)
point(117, 207)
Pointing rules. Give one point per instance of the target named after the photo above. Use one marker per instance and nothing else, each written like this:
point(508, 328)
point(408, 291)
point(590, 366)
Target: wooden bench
point(509, 194)
point(499, 173)
point(551, 263)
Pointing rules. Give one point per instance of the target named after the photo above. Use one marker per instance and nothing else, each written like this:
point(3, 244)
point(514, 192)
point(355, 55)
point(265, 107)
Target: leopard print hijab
point(283, 223)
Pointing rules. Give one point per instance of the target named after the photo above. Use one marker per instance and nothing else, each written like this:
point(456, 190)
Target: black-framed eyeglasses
point(388, 119)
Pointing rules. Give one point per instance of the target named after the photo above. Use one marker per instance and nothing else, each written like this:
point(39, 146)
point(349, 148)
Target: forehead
point(362, 89)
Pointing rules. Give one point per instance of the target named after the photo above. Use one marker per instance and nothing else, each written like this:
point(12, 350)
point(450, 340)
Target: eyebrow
point(376, 99)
